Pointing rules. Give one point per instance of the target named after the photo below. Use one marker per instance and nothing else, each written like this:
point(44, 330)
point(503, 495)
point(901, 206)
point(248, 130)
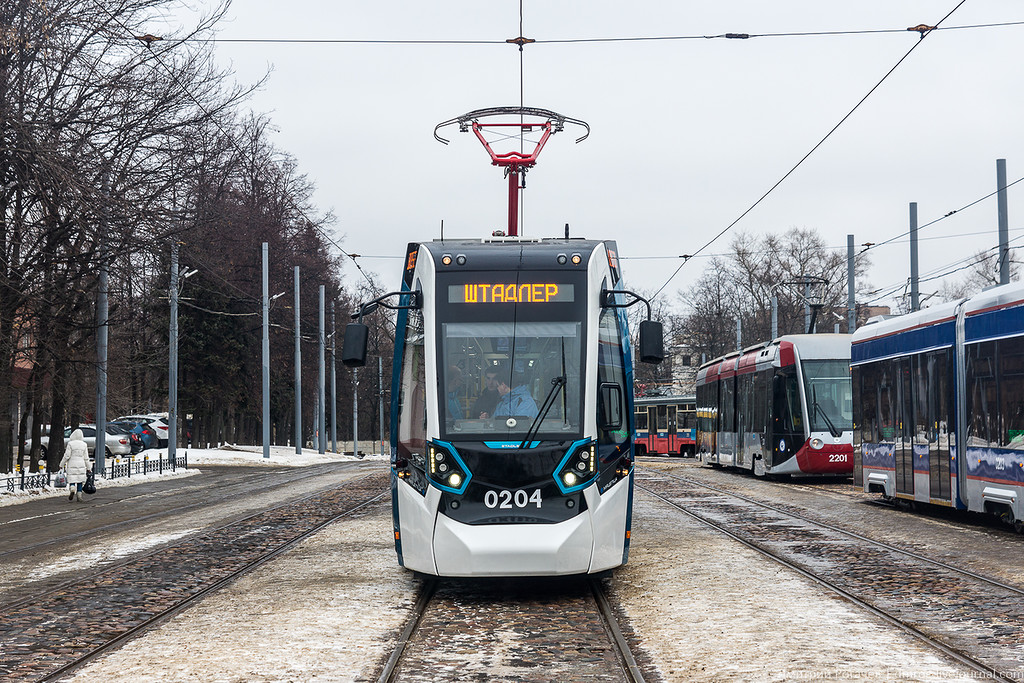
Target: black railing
point(116, 469)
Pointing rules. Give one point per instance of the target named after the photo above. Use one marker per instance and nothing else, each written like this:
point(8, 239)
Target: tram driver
point(516, 400)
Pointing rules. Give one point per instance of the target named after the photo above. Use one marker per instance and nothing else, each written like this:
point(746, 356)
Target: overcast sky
point(686, 134)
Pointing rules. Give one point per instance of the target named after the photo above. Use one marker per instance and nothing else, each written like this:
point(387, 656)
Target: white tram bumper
point(592, 541)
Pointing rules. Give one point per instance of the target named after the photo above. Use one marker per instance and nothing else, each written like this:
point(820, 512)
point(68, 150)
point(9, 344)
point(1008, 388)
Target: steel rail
point(199, 595)
point(953, 653)
point(852, 534)
point(387, 675)
point(630, 669)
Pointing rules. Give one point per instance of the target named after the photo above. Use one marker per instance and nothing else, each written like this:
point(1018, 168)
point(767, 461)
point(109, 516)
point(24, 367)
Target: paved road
point(48, 541)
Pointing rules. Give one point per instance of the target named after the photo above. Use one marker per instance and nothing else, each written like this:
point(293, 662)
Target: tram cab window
point(412, 397)
point(518, 361)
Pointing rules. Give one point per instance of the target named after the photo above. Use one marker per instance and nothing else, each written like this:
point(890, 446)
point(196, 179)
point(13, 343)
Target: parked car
point(157, 421)
point(143, 435)
point(117, 443)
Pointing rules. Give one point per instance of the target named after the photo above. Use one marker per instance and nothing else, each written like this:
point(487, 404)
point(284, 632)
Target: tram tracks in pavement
point(972, 618)
point(243, 490)
point(524, 629)
point(46, 637)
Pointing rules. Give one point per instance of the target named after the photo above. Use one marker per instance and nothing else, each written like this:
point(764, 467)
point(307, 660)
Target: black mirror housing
point(652, 342)
point(353, 350)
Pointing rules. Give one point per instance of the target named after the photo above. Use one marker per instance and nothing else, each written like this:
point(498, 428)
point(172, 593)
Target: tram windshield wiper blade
point(556, 384)
point(821, 411)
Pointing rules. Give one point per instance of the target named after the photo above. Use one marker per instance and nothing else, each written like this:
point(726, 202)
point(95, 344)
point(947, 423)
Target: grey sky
point(686, 134)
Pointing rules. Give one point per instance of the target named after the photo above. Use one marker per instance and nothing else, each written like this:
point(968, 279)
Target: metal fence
point(116, 469)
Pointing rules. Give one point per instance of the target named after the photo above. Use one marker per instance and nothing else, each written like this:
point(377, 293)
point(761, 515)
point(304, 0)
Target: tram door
point(671, 444)
point(786, 431)
point(904, 446)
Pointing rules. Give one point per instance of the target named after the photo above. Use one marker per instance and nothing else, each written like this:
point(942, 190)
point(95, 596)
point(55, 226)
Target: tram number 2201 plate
point(506, 500)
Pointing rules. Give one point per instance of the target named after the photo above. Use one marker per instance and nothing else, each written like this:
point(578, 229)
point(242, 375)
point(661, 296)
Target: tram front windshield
point(829, 394)
point(510, 355)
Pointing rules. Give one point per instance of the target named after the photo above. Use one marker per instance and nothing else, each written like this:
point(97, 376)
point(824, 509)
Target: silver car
point(117, 444)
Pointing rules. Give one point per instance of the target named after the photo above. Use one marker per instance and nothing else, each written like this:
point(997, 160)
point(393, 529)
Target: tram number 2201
point(506, 500)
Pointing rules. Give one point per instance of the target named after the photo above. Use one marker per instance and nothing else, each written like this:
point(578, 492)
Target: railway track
point(538, 629)
point(968, 616)
point(46, 636)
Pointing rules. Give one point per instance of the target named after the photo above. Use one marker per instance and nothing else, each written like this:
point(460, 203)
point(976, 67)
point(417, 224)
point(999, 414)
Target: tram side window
point(727, 406)
point(982, 427)
point(1011, 392)
point(412, 397)
point(641, 418)
point(611, 370)
point(886, 402)
point(864, 408)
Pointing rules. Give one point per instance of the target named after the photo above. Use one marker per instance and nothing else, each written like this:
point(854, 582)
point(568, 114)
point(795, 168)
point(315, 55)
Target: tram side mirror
point(609, 407)
point(353, 349)
point(652, 342)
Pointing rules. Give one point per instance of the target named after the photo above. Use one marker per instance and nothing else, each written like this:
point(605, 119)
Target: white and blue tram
point(939, 407)
point(511, 407)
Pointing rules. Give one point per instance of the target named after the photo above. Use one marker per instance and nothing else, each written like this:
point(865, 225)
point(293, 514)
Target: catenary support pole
point(915, 277)
point(380, 400)
point(851, 289)
point(334, 387)
point(322, 410)
point(739, 334)
point(101, 338)
point(775, 316)
point(172, 361)
point(1004, 223)
point(298, 367)
point(266, 352)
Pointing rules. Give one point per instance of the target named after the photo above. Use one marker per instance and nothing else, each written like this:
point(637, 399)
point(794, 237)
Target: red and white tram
point(781, 407)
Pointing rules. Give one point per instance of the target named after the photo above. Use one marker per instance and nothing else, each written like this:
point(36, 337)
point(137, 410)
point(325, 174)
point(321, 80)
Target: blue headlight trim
point(576, 445)
point(462, 465)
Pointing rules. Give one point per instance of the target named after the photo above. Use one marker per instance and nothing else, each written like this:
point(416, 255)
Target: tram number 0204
point(506, 500)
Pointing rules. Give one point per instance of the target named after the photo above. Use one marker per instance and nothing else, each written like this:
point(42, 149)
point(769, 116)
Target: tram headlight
point(817, 443)
point(578, 468)
point(446, 469)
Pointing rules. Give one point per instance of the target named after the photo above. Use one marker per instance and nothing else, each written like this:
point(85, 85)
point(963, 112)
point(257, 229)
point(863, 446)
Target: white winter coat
point(76, 461)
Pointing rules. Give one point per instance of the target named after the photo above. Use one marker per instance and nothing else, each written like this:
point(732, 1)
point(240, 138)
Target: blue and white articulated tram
point(939, 405)
point(511, 407)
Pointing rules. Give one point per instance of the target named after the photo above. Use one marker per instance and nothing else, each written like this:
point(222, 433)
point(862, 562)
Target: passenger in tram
point(455, 385)
point(516, 400)
point(489, 397)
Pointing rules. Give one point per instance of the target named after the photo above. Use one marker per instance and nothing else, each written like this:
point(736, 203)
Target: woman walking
point(75, 464)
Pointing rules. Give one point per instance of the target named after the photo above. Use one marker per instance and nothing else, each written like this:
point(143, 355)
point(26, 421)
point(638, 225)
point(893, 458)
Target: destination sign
point(512, 292)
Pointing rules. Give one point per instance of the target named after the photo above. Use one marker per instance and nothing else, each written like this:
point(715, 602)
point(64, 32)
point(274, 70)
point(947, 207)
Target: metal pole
point(99, 452)
point(322, 414)
point(380, 400)
point(1004, 223)
point(334, 387)
point(915, 292)
point(851, 289)
point(807, 306)
point(355, 412)
point(172, 374)
point(298, 369)
point(775, 316)
point(266, 353)
point(739, 334)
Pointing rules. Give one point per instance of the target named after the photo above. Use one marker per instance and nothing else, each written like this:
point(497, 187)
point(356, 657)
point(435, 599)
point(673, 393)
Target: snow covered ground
point(280, 456)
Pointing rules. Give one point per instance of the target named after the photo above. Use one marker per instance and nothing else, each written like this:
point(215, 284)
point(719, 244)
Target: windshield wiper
point(821, 411)
point(556, 384)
